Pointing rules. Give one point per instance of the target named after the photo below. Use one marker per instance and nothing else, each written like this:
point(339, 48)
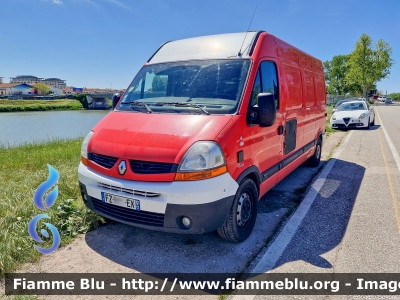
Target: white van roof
point(206, 47)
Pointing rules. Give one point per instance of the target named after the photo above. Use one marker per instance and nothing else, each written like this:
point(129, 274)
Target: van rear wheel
point(314, 160)
point(243, 213)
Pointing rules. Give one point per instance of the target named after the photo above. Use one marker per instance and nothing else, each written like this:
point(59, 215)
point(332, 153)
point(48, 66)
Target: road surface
point(352, 224)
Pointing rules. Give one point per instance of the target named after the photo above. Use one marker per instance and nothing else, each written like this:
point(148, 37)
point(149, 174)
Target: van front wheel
point(243, 213)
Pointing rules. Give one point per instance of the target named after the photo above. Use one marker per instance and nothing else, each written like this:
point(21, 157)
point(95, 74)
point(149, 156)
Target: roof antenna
point(239, 53)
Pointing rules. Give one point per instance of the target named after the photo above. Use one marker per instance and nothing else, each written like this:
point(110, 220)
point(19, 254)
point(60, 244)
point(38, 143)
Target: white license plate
point(120, 201)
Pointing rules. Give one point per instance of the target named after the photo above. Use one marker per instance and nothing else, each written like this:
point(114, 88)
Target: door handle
point(280, 129)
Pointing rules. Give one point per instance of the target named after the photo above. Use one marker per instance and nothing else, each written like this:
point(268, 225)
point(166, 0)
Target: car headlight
point(333, 117)
point(202, 160)
point(84, 152)
point(362, 116)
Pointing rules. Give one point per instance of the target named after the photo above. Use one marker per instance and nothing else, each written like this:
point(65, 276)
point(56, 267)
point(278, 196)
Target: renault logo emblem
point(122, 167)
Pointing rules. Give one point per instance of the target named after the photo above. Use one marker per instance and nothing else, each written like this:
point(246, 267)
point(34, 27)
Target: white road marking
point(389, 140)
point(276, 249)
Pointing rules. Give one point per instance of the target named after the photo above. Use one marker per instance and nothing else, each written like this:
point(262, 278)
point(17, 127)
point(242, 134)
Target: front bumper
point(162, 204)
point(353, 123)
point(323, 138)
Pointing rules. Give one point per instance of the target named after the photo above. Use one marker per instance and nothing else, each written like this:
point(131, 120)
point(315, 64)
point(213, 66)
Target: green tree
point(42, 89)
point(335, 74)
point(159, 83)
point(368, 63)
point(394, 96)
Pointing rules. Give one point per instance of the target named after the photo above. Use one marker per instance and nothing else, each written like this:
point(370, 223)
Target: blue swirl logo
point(49, 201)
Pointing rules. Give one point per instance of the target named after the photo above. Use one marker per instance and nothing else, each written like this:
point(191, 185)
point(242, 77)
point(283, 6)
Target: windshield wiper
point(139, 103)
point(183, 104)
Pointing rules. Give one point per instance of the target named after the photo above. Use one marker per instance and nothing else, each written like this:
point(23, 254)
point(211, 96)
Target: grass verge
point(328, 128)
point(39, 105)
point(22, 170)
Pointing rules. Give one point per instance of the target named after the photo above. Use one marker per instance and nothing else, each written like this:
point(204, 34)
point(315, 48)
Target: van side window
point(265, 82)
point(269, 80)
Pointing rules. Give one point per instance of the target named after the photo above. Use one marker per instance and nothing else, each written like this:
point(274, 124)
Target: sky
point(104, 43)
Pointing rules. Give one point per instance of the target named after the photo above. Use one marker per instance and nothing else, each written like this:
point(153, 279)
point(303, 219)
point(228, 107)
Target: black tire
point(373, 122)
point(369, 124)
point(243, 213)
point(314, 160)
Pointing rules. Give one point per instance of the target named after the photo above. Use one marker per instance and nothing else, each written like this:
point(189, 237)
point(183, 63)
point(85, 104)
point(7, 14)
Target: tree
point(42, 89)
point(368, 63)
point(159, 83)
point(335, 74)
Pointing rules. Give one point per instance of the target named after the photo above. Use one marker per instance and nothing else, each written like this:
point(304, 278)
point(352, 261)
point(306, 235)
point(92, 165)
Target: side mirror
point(266, 109)
point(115, 100)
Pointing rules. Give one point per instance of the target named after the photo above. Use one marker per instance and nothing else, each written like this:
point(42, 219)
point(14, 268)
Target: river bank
point(22, 170)
point(39, 105)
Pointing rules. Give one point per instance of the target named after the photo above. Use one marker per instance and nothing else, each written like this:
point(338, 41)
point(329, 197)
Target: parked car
point(388, 100)
point(354, 114)
point(196, 153)
point(340, 102)
point(382, 99)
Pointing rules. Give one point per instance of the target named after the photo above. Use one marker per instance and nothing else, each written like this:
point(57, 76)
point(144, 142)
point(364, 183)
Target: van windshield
point(190, 87)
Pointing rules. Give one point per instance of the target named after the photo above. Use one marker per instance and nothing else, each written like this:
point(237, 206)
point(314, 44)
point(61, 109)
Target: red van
point(205, 129)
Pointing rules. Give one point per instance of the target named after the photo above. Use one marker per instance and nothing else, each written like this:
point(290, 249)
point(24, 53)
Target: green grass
point(38, 105)
point(20, 297)
point(22, 170)
point(328, 128)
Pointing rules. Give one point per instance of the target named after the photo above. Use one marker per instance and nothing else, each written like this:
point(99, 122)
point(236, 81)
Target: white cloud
point(54, 1)
point(119, 3)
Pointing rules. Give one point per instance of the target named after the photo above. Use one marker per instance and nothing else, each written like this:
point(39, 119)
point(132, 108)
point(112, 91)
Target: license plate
point(120, 201)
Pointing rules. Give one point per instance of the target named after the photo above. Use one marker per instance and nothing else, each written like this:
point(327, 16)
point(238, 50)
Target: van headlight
point(202, 160)
point(84, 151)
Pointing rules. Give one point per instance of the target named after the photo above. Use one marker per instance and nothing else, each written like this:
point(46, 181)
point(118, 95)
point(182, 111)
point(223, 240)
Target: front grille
point(342, 126)
point(124, 214)
point(102, 160)
point(149, 167)
point(128, 191)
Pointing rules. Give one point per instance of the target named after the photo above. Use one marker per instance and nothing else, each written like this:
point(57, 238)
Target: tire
point(369, 125)
point(314, 160)
point(243, 213)
point(373, 122)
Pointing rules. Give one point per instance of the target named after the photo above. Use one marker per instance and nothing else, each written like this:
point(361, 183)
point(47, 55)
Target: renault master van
point(205, 129)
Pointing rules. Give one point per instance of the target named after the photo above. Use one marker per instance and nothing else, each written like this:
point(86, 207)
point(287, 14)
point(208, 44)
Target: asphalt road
point(353, 224)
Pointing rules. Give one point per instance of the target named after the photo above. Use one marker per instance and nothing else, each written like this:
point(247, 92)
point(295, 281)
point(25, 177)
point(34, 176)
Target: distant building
point(56, 91)
point(29, 79)
point(55, 83)
point(1, 80)
point(6, 89)
point(23, 89)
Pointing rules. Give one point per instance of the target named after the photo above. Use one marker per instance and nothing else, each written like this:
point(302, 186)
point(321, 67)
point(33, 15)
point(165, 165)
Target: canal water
point(33, 127)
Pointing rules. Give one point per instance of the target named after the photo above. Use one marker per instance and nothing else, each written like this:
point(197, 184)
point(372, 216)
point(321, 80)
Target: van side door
point(311, 109)
point(265, 142)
